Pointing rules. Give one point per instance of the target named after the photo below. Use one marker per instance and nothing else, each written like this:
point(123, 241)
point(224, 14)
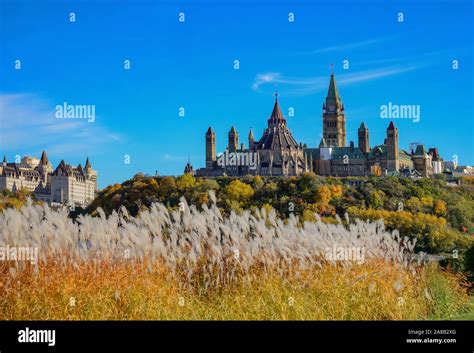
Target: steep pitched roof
point(251, 137)
point(44, 158)
point(391, 126)
point(277, 136)
point(434, 154)
point(362, 127)
point(420, 150)
point(88, 164)
point(277, 116)
point(377, 150)
point(61, 169)
point(210, 131)
point(188, 169)
point(68, 170)
point(333, 92)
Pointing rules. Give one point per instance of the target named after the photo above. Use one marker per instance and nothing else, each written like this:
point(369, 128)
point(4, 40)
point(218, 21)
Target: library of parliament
point(277, 153)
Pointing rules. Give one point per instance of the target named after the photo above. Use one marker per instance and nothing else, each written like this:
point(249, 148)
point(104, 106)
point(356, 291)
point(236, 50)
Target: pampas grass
point(192, 264)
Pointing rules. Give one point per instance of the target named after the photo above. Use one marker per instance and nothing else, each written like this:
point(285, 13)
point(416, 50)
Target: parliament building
point(277, 153)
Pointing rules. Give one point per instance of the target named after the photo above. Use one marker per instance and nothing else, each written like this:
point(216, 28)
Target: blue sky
point(191, 65)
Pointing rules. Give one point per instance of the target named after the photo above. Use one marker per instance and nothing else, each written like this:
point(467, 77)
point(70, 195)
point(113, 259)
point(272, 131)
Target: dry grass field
point(191, 264)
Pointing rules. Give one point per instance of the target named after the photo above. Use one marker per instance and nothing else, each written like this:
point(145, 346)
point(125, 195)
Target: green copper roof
point(312, 152)
point(340, 152)
point(380, 149)
point(333, 93)
point(404, 155)
point(420, 150)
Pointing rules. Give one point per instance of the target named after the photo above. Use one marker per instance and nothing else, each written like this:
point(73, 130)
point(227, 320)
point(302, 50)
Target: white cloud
point(309, 85)
point(28, 123)
point(277, 78)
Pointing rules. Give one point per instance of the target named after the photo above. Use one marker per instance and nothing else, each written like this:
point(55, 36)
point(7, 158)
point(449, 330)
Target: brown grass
point(376, 290)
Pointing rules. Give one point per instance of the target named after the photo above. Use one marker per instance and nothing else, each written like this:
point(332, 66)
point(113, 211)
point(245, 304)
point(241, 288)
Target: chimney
point(352, 146)
point(242, 146)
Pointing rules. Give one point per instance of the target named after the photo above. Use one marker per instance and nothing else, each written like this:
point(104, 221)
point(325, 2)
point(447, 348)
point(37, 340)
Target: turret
point(91, 174)
point(392, 148)
point(251, 139)
point(233, 140)
point(210, 148)
point(44, 166)
point(363, 142)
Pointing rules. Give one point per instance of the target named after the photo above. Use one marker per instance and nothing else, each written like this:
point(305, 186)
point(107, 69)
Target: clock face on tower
point(332, 108)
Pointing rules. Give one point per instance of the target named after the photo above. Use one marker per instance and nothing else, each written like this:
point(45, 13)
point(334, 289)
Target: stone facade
point(66, 185)
point(278, 154)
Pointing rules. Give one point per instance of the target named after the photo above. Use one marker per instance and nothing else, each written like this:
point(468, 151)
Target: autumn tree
point(239, 191)
point(439, 208)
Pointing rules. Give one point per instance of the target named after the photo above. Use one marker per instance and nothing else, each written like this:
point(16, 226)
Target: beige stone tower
point(251, 139)
point(363, 134)
point(210, 148)
point(334, 119)
point(233, 140)
point(91, 173)
point(393, 162)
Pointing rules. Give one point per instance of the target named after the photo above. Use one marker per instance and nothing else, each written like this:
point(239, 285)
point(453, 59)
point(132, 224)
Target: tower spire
point(44, 158)
point(233, 140)
point(334, 120)
point(251, 138)
point(277, 115)
point(333, 92)
point(251, 134)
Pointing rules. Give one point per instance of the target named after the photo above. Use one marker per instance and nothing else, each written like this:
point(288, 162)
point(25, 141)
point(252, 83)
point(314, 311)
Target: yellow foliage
point(258, 180)
point(112, 188)
point(439, 208)
point(323, 194)
point(308, 216)
point(336, 191)
point(239, 191)
point(185, 181)
point(427, 201)
point(413, 204)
